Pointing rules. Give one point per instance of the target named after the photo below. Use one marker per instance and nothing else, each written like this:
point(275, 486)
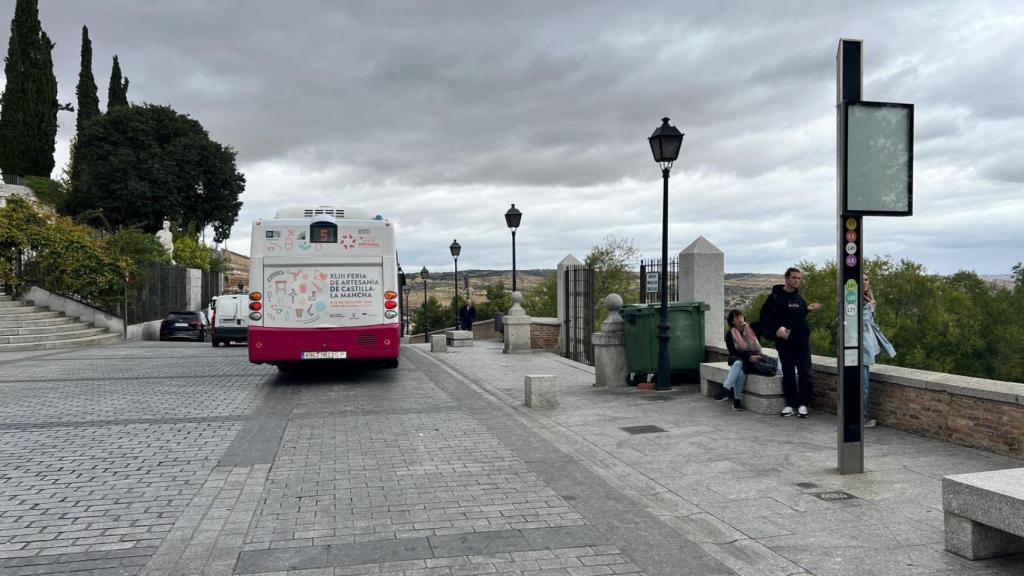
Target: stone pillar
point(610, 347)
point(540, 391)
point(517, 328)
point(569, 260)
point(194, 289)
point(702, 279)
point(438, 343)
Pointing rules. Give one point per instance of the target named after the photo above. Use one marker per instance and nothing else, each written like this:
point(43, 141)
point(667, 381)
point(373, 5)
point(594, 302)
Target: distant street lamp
point(455, 249)
point(665, 144)
point(512, 219)
point(423, 274)
point(403, 317)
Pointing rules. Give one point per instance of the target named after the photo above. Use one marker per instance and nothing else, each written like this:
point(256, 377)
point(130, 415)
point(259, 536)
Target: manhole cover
point(834, 496)
point(806, 485)
point(643, 429)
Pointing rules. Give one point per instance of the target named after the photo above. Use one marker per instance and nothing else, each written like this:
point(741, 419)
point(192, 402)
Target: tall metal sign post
point(875, 159)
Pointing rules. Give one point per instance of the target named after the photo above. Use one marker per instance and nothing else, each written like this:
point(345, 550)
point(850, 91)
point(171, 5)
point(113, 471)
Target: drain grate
point(648, 429)
point(836, 496)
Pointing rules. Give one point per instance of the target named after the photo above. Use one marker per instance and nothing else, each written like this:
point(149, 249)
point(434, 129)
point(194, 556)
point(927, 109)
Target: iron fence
point(156, 290)
point(651, 270)
point(579, 314)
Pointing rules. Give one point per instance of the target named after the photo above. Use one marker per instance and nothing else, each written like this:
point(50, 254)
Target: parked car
point(183, 325)
point(230, 320)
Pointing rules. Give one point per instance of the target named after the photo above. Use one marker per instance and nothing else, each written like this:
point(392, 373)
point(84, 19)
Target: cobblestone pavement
point(177, 459)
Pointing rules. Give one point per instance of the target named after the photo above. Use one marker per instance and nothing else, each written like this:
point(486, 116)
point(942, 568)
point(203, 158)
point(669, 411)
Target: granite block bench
point(761, 394)
point(459, 338)
point(984, 513)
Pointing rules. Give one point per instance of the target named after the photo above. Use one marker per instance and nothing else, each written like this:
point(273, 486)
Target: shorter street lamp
point(455, 249)
point(403, 316)
point(423, 274)
point(512, 219)
point(665, 144)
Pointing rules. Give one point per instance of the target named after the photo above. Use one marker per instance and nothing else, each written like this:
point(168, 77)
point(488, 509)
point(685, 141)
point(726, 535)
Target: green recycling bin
point(686, 346)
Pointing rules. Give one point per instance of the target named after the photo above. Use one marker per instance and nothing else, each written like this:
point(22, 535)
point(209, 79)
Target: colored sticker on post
point(851, 236)
point(851, 297)
point(851, 248)
point(851, 261)
point(851, 285)
point(851, 223)
point(851, 309)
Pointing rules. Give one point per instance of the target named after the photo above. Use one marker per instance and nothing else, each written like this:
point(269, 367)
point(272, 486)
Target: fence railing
point(650, 287)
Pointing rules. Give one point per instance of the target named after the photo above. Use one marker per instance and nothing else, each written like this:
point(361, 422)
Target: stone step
point(17, 311)
point(53, 319)
point(100, 340)
point(20, 319)
point(14, 303)
point(5, 298)
point(70, 326)
point(41, 338)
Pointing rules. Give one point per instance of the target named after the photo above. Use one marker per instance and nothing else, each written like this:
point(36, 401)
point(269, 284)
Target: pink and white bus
point(324, 286)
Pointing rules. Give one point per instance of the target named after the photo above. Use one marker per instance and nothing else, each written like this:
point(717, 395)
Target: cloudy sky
point(440, 114)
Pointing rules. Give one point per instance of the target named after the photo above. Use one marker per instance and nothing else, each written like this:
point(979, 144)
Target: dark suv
point(183, 326)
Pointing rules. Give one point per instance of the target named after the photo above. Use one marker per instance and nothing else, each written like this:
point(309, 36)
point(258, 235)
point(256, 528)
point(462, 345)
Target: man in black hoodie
point(783, 319)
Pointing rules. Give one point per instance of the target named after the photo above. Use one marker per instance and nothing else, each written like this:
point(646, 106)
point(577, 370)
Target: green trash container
point(686, 346)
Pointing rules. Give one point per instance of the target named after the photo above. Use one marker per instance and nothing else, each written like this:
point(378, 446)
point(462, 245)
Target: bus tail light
point(255, 306)
point(390, 314)
point(390, 295)
point(255, 296)
point(255, 316)
point(390, 304)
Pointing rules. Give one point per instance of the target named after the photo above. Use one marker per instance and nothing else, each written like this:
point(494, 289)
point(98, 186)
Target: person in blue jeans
point(744, 348)
point(874, 342)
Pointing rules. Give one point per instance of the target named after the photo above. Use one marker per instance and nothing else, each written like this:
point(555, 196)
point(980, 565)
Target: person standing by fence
point(874, 342)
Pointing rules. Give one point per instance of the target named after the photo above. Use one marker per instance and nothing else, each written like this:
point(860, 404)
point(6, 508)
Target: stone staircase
point(24, 326)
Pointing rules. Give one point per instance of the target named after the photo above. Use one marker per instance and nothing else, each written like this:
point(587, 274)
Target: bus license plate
point(329, 355)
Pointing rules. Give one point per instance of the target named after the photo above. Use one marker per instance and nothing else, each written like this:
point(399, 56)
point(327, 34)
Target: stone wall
point(972, 412)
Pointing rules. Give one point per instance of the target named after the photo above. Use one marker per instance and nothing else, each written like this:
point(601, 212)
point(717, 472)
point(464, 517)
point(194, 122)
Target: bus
point(324, 284)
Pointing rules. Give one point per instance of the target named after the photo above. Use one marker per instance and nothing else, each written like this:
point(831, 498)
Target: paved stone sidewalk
point(747, 488)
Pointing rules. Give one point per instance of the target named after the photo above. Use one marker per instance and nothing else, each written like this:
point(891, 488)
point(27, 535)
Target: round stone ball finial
point(517, 297)
point(613, 302)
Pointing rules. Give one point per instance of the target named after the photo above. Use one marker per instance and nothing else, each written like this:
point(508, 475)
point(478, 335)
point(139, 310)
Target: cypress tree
point(28, 109)
point(88, 100)
point(117, 92)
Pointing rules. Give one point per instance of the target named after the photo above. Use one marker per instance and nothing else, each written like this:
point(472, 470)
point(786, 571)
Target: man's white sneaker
point(787, 411)
point(870, 423)
point(802, 411)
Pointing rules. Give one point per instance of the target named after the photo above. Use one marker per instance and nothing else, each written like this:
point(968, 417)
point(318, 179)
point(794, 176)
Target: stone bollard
point(517, 328)
point(541, 391)
point(459, 338)
point(438, 343)
point(610, 367)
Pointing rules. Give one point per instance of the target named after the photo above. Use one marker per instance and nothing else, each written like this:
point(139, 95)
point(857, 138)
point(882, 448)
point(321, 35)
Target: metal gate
point(579, 314)
point(653, 267)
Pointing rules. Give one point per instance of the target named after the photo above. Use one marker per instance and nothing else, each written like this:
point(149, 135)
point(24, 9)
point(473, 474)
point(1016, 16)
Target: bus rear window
point(323, 233)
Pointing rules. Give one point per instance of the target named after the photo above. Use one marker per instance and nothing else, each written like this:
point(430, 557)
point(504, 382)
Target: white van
point(230, 319)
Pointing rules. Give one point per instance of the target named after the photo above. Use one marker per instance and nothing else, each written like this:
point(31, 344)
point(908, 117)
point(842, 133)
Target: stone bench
point(459, 338)
point(984, 513)
point(761, 394)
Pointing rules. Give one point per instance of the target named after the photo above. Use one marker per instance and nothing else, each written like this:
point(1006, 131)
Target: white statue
point(167, 239)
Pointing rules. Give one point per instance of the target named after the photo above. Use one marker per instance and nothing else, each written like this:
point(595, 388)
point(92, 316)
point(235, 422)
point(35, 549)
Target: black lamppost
point(423, 275)
point(665, 144)
point(455, 249)
point(512, 219)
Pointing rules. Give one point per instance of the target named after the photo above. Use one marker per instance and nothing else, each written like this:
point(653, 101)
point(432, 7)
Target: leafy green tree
point(499, 300)
point(190, 253)
point(438, 316)
point(138, 165)
point(117, 90)
point(612, 263)
point(138, 247)
point(542, 299)
point(28, 107)
point(68, 258)
point(88, 99)
point(48, 191)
